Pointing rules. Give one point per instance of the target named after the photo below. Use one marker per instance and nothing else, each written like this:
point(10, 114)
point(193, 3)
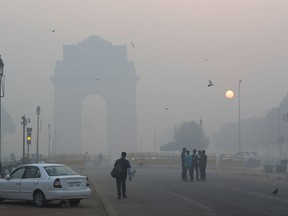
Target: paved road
point(156, 191)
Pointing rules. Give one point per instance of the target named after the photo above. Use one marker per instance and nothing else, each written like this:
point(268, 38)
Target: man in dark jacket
point(195, 164)
point(125, 167)
point(184, 173)
point(200, 167)
point(203, 164)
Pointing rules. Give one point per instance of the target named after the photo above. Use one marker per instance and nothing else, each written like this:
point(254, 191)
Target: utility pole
point(1, 95)
point(49, 140)
point(155, 141)
point(24, 123)
point(38, 114)
point(239, 116)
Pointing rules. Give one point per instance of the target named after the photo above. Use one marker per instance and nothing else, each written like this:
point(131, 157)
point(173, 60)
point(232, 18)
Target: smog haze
point(176, 47)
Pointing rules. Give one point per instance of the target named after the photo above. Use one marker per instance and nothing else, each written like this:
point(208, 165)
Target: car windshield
point(59, 170)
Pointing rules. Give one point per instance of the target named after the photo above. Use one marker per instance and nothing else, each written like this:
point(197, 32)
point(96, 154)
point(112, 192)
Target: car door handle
point(35, 183)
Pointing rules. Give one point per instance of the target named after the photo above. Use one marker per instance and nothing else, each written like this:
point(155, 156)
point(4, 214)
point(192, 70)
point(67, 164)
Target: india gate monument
point(95, 66)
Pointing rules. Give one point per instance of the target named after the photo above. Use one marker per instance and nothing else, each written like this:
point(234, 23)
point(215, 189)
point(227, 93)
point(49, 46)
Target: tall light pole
point(49, 140)
point(155, 140)
point(239, 109)
point(1, 95)
point(24, 123)
point(37, 151)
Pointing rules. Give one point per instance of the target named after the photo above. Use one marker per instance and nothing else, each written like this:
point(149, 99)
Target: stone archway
point(95, 66)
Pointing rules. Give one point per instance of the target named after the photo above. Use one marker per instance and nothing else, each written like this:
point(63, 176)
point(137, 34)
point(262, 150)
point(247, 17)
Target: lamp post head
point(1, 67)
point(38, 110)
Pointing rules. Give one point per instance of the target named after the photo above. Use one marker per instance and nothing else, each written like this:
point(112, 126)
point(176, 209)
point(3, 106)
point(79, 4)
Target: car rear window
point(59, 170)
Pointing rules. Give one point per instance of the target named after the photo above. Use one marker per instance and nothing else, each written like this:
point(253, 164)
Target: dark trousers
point(203, 172)
point(121, 184)
point(196, 169)
point(184, 172)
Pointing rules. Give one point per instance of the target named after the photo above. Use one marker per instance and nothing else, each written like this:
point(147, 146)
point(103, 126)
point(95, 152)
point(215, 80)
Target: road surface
point(159, 191)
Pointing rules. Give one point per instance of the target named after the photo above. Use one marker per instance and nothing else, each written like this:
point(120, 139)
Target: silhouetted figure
point(275, 192)
point(124, 164)
point(183, 154)
point(195, 164)
point(199, 164)
point(188, 165)
point(203, 163)
point(100, 158)
point(86, 160)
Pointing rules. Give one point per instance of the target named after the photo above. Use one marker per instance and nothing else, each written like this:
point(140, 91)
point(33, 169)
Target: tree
point(7, 122)
point(190, 135)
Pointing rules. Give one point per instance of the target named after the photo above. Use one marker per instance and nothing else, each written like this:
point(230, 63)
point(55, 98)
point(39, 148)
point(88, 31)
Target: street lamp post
point(155, 141)
point(239, 116)
point(1, 95)
point(49, 140)
point(24, 123)
point(37, 151)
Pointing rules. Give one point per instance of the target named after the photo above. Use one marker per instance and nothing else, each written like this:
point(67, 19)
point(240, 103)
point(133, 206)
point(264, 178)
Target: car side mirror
point(7, 177)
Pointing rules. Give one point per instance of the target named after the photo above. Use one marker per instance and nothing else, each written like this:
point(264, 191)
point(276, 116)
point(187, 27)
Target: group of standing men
point(194, 162)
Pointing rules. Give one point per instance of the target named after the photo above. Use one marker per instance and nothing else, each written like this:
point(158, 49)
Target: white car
point(44, 182)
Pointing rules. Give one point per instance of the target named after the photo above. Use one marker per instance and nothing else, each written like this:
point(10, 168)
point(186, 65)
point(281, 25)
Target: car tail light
point(57, 183)
point(87, 182)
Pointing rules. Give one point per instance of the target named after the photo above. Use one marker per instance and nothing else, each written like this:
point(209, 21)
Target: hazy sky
point(179, 46)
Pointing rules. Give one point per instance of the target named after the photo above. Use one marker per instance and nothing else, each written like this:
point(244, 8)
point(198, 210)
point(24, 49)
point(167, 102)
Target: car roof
point(43, 164)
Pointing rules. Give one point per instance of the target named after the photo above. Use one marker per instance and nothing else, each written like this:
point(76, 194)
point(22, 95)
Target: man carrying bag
point(120, 170)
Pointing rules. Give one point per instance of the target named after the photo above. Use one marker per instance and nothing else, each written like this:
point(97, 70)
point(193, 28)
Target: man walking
point(183, 155)
point(125, 167)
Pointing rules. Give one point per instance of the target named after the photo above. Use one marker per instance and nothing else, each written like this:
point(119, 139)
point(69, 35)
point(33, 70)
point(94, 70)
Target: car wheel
point(74, 202)
point(39, 199)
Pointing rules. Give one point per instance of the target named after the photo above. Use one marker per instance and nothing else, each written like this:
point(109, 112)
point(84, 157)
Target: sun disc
point(229, 94)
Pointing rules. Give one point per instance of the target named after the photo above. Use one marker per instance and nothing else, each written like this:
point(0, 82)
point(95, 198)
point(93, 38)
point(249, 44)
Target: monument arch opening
point(94, 125)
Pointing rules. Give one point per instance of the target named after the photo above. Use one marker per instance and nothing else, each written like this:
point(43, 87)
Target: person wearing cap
point(124, 164)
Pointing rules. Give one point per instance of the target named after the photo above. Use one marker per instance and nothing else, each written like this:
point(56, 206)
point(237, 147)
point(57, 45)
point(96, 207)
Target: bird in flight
point(210, 83)
point(132, 44)
point(275, 192)
point(166, 108)
point(52, 30)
